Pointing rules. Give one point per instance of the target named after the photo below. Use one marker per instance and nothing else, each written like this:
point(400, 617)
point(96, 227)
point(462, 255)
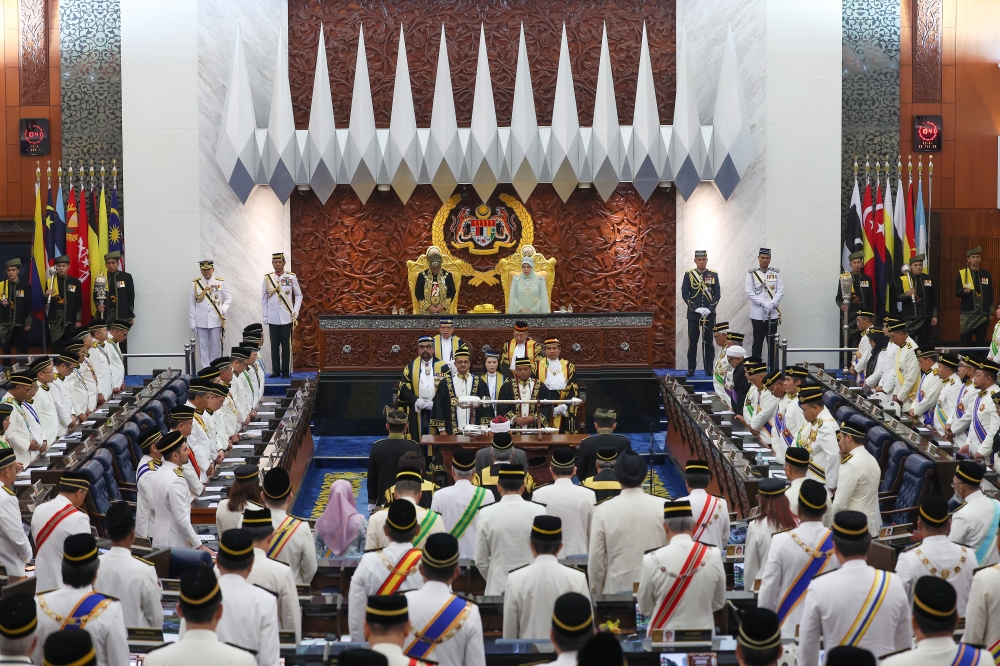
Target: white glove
point(704, 312)
point(422, 403)
point(561, 410)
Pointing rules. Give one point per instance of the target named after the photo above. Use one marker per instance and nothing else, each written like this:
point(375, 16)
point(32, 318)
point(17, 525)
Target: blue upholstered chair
point(107, 461)
point(918, 474)
point(893, 477)
point(168, 398)
point(878, 442)
point(154, 408)
point(844, 412)
point(131, 432)
point(122, 463)
point(832, 400)
point(182, 559)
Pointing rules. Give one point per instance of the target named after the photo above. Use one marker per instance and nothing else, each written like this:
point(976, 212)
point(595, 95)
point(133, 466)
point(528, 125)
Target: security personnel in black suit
point(974, 286)
point(862, 298)
point(700, 290)
point(586, 452)
point(916, 296)
point(15, 309)
point(604, 484)
point(383, 462)
point(63, 297)
point(120, 302)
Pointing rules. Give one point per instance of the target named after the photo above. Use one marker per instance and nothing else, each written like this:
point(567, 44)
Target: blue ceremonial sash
point(966, 656)
point(959, 411)
point(929, 418)
point(80, 615)
point(876, 595)
point(798, 588)
point(991, 535)
point(976, 425)
point(425, 641)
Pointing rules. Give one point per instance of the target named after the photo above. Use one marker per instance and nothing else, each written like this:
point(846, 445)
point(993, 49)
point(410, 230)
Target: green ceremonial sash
point(470, 513)
point(425, 526)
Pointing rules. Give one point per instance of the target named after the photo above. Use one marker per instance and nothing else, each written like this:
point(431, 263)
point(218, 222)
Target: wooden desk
point(532, 445)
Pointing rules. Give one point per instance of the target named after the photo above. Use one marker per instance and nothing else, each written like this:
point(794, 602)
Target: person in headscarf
point(341, 531)
point(528, 292)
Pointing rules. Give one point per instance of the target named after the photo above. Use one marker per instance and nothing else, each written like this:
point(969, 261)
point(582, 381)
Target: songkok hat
point(182, 413)
point(935, 599)
point(772, 487)
point(796, 371)
point(96, 324)
point(927, 352)
point(387, 610)
point(735, 351)
point(720, 326)
point(119, 517)
point(71, 481)
point(199, 587)
point(989, 366)
point(246, 472)
point(700, 254)
point(278, 256)
point(810, 393)
point(241, 353)
point(546, 528)
point(68, 360)
point(552, 342)
point(502, 441)
point(256, 517)
point(21, 379)
point(520, 325)
point(917, 257)
point(219, 390)
point(361, 658)
point(500, 424)
point(446, 321)
point(772, 378)
point(865, 313)
point(605, 414)
point(253, 327)
point(601, 649)
point(440, 551)
point(12, 262)
point(563, 459)
point(766, 251)
point(572, 615)
point(897, 326)
point(170, 442)
point(975, 250)
point(396, 417)
point(698, 467)
point(464, 459)
point(934, 510)
point(402, 515)
point(6, 409)
point(199, 385)
point(522, 362)
point(854, 430)
point(677, 509)
point(62, 259)
point(860, 254)
point(463, 353)
point(113, 255)
point(80, 332)
point(236, 544)
point(735, 336)
point(7, 458)
point(754, 367)
point(950, 360)
point(39, 364)
point(208, 372)
point(80, 548)
point(630, 469)
point(18, 616)
point(797, 457)
point(970, 472)
point(150, 437)
point(277, 484)
point(759, 629)
point(121, 324)
point(425, 339)
point(512, 471)
point(812, 494)
point(607, 454)
point(850, 525)
point(409, 474)
point(969, 359)
point(69, 647)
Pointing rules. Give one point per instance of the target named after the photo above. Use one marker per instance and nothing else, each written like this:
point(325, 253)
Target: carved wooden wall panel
point(33, 52)
point(927, 27)
point(352, 258)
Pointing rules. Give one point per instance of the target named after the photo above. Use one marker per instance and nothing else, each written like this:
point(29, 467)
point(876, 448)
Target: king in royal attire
point(435, 287)
point(447, 415)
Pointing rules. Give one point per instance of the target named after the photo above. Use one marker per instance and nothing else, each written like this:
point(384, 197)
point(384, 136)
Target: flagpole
point(930, 195)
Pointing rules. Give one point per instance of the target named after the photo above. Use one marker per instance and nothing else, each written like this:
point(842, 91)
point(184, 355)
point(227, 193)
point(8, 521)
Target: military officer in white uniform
point(271, 575)
point(857, 604)
point(764, 289)
point(951, 384)
point(662, 594)
point(407, 488)
point(15, 550)
point(857, 487)
point(623, 528)
point(925, 403)
point(296, 547)
point(796, 557)
point(936, 555)
point(818, 436)
point(128, 578)
point(503, 531)
point(201, 608)
point(455, 643)
point(388, 570)
point(43, 401)
point(532, 590)
point(208, 303)
point(906, 368)
point(710, 512)
point(171, 497)
point(974, 523)
point(459, 503)
point(251, 618)
point(572, 503)
point(75, 604)
point(55, 520)
point(281, 299)
point(721, 369)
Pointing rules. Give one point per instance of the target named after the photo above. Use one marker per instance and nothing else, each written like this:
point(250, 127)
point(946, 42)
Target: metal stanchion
point(187, 359)
point(194, 351)
point(784, 353)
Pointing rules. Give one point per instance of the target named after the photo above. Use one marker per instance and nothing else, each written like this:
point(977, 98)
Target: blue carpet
point(314, 491)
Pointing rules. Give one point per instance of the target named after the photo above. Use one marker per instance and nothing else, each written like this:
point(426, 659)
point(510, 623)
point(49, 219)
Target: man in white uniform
point(985, 420)
point(957, 429)
point(572, 627)
point(151, 460)
point(788, 416)
point(532, 590)
point(55, 520)
point(446, 343)
point(281, 299)
point(62, 393)
point(98, 357)
point(44, 400)
point(117, 335)
point(951, 384)
point(293, 541)
point(573, 504)
point(721, 369)
point(974, 523)
point(764, 290)
point(208, 303)
point(386, 628)
point(855, 605)
point(866, 325)
point(24, 433)
point(818, 436)
point(409, 481)
point(759, 638)
point(459, 503)
point(18, 621)
point(15, 550)
point(925, 407)
point(271, 575)
point(906, 369)
point(710, 512)
point(171, 497)
point(857, 489)
point(982, 614)
point(130, 579)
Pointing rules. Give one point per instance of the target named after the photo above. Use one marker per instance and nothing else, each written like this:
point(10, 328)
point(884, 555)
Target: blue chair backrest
point(862, 421)
point(168, 398)
point(177, 387)
point(843, 413)
point(144, 421)
point(94, 472)
point(917, 473)
point(154, 408)
point(131, 432)
point(106, 460)
point(186, 379)
point(182, 559)
point(878, 442)
point(898, 452)
point(953, 504)
point(119, 447)
point(832, 400)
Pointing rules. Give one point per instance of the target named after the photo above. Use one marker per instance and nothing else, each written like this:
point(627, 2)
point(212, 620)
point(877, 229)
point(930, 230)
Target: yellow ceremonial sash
point(876, 595)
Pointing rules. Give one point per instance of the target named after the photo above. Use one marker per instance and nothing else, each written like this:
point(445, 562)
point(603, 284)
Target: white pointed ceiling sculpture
point(731, 148)
point(687, 148)
point(444, 154)
point(606, 151)
point(525, 148)
point(281, 149)
point(323, 153)
point(362, 157)
point(402, 155)
point(564, 152)
point(236, 153)
point(483, 155)
point(647, 148)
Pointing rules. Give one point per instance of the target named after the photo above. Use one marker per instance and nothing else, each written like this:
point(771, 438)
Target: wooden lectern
point(534, 446)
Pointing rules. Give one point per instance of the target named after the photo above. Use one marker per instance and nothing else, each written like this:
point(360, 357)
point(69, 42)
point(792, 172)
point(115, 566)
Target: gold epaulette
point(136, 557)
point(179, 472)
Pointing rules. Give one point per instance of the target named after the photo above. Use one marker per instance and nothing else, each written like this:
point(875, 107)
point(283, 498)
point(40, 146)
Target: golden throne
point(415, 268)
point(510, 266)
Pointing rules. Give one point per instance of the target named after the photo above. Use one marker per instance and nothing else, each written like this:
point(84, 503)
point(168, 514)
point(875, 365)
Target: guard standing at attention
point(15, 309)
point(917, 301)
point(209, 303)
point(700, 290)
point(765, 290)
point(862, 298)
point(63, 298)
point(281, 299)
point(974, 286)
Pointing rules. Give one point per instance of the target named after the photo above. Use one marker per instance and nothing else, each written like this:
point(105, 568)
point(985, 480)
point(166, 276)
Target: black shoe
point(690, 373)
point(286, 376)
point(274, 375)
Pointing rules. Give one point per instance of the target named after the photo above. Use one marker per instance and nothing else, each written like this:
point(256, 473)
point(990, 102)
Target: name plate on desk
point(304, 592)
point(894, 530)
point(170, 586)
point(664, 636)
point(286, 639)
point(144, 636)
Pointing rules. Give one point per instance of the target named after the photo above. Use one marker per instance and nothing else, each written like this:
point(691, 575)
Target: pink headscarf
point(340, 523)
